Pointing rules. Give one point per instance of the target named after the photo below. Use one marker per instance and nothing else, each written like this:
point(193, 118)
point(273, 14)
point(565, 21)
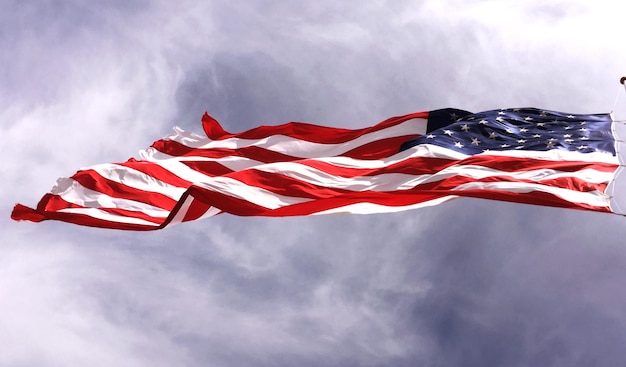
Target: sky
point(470, 282)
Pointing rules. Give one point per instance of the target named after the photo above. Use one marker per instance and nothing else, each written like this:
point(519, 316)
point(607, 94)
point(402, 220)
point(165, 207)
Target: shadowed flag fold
point(420, 159)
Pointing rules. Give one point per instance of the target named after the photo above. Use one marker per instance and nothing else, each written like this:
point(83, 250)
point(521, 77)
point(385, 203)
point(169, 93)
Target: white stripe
point(595, 198)
point(403, 181)
point(183, 171)
point(304, 173)
point(234, 163)
point(301, 148)
point(419, 151)
point(182, 212)
point(558, 155)
point(211, 212)
point(434, 151)
point(101, 214)
point(370, 208)
point(479, 172)
point(73, 192)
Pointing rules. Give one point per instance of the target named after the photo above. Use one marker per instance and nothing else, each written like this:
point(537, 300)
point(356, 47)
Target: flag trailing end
point(212, 128)
point(420, 159)
point(22, 212)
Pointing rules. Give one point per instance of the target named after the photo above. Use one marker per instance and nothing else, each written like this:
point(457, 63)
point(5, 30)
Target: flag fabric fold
point(420, 159)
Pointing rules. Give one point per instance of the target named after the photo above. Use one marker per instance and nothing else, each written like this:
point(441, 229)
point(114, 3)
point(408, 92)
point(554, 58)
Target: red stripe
point(535, 198)
point(209, 168)
point(53, 203)
point(569, 183)
point(176, 149)
point(49, 206)
point(22, 212)
point(284, 185)
point(304, 131)
point(387, 199)
point(512, 164)
point(92, 180)
point(225, 202)
point(410, 198)
point(374, 150)
point(196, 209)
point(379, 149)
point(86, 220)
point(410, 166)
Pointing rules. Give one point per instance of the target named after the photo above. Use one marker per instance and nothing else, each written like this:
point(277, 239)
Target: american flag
point(420, 159)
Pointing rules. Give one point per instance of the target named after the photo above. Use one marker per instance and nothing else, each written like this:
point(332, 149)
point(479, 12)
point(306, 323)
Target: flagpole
point(622, 80)
point(620, 169)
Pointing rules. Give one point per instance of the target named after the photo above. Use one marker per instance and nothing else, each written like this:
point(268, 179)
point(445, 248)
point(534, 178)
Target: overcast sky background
point(467, 283)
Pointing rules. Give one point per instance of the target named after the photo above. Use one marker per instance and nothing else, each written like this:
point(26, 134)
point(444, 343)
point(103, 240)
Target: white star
point(567, 135)
point(475, 141)
point(584, 123)
point(508, 130)
point(454, 116)
point(568, 127)
point(458, 144)
point(541, 124)
point(448, 132)
point(543, 113)
point(537, 136)
point(521, 141)
point(430, 136)
point(583, 129)
point(523, 130)
point(582, 147)
point(483, 122)
point(465, 128)
point(501, 113)
point(528, 118)
point(550, 144)
point(520, 147)
point(584, 138)
point(500, 119)
point(568, 140)
point(493, 135)
point(504, 146)
point(570, 116)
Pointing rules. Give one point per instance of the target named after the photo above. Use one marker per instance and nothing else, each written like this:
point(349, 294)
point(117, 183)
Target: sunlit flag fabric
point(522, 155)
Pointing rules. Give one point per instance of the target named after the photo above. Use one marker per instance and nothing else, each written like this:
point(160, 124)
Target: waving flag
point(520, 155)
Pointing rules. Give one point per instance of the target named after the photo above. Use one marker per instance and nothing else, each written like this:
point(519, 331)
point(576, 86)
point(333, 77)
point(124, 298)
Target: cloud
point(471, 282)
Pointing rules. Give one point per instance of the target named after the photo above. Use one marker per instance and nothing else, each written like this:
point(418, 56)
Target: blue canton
point(522, 129)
